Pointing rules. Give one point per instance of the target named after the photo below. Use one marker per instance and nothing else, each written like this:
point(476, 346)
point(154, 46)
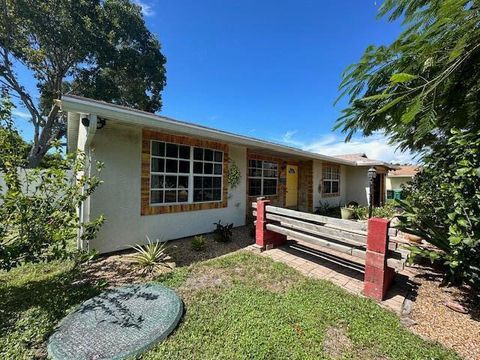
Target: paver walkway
point(320, 263)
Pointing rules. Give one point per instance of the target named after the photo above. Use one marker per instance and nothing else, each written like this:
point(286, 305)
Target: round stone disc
point(117, 324)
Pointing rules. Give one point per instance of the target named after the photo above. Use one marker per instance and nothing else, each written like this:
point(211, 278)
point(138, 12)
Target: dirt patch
point(435, 321)
point(117, 269)
point(337, 343)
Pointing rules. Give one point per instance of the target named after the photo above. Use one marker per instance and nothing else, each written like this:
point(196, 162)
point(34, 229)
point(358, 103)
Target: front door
point(292, 186)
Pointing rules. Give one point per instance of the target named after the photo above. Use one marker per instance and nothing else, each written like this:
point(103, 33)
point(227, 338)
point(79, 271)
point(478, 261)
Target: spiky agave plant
point(150, 257)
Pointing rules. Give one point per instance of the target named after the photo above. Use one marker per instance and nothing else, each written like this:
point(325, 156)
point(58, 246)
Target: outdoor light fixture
point(372, 174)
point(86, 121)
point(100, 122)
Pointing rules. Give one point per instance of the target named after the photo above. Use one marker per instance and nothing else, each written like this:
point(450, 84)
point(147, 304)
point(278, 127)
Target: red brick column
point(265, 238)
point(378, 276)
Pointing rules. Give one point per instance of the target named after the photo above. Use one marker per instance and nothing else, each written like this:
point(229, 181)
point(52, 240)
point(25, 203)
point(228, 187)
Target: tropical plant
point(234, 174)
point(150, 257)
point(199, 243)
point(38, 216)
point(223, 233)
point(95, 48)
point(443, 206)
point(425, 83)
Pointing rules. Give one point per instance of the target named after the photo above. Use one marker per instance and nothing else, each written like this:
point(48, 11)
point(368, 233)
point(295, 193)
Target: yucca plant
point(150, 257)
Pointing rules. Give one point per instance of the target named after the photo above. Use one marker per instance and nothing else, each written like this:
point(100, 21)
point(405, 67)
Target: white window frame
point(331, 179)
point(190, 174)
point(262, 177)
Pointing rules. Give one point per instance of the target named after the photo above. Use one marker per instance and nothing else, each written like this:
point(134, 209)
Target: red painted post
point(263, 237)
point(378, 276)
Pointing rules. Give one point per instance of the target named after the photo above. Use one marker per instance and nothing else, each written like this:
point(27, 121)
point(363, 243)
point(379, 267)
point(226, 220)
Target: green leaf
point(376, 97)
point(402, 77)
point(389, 105)
point(458, 49)
point(412, 111)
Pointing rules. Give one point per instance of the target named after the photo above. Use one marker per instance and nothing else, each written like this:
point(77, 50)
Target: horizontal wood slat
point(344, 224)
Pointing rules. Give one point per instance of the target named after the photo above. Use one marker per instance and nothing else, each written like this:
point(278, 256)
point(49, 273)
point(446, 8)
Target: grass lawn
point(238, 306)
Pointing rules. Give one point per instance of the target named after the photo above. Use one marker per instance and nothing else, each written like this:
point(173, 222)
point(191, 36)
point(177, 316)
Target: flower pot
point(347, 213)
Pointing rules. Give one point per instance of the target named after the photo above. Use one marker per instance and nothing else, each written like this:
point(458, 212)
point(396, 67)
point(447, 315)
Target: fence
point(373, 244)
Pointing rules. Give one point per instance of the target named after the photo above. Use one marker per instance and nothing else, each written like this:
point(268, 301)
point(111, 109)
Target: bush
point(442, 206)
point(199, 243)
point(150, 257)
point(38, 215)
point(223, 233)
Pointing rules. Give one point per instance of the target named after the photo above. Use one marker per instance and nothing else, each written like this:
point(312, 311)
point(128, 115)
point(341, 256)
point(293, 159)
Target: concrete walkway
point(320, 263)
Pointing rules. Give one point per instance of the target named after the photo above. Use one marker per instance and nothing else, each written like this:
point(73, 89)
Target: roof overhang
point(125, 115)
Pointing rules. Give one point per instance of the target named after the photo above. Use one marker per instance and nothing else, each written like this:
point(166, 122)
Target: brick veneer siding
point(305, 186)
point(146, 208)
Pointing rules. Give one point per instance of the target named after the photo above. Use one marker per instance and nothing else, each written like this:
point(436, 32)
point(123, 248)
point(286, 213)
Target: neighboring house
point(168, 179)
point(398, 177)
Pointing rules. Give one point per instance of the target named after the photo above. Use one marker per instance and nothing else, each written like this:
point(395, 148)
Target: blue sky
point(268, 69)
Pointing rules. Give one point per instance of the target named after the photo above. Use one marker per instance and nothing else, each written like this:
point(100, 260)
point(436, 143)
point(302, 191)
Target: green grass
point(239, 306)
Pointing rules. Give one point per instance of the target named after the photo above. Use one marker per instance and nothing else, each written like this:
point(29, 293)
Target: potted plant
point(347, 212)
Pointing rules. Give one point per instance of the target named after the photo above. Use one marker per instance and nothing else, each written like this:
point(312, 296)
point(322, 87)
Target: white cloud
point(375, 147)
point(146, 8)
point(21, 114)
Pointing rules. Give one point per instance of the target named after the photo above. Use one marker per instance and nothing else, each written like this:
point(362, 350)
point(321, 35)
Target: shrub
point(199, 243)
point(442, 206)
point(150, 257)
point(223, 233)
point(38, 215)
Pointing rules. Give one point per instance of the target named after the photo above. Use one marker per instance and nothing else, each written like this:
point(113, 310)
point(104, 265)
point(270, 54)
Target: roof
point(361, 159)
point(126, 115)
point(404, 171)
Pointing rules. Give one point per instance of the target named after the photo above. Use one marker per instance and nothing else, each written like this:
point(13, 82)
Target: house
point(168, 179)
point(397, 178)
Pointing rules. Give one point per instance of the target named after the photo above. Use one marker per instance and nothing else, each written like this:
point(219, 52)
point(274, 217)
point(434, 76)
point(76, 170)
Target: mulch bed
point(117, 269)
point(433, 320)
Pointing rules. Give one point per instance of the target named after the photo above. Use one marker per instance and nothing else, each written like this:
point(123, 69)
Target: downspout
point(88, 128)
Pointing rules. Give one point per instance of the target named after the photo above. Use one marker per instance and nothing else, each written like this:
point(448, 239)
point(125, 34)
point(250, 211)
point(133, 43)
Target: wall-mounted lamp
point(372, 174)
point(100, 122)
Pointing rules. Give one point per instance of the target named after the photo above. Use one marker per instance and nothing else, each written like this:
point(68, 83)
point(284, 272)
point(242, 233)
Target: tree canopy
point(95, 48)
point(424, 84)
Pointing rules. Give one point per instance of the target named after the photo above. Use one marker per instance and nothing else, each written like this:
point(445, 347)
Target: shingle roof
point(406, 170)
point(361, 159)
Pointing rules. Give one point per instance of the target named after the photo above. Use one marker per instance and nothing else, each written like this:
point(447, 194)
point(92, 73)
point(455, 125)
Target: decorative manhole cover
point(117, 324)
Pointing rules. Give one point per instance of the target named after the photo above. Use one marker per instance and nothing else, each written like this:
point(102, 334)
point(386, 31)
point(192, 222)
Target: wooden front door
point(292, 186)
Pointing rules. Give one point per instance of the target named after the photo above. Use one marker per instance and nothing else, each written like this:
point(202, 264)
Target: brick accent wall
point(146, 208)
point(305, 186)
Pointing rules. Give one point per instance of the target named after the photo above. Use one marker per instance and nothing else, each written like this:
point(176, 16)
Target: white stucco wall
point(118, 198)
point(317, 190)
point(357, 185)
point(393, 183)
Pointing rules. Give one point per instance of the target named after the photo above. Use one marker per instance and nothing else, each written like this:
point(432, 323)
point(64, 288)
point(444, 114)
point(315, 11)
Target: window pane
point(184, 167)
point(254, 187)
point(217, 195)
point(197, 195)
point(197, 167)
point(197, 182)
point(170, 196)
point(208, 155)
point(198, 154)
point(334, 186)
point(172, 166)
point(218, 156)
point(217, 169)
point(156, 197)
point(171, 182)
point(207, 195)
point(158, 165)
point(184, 152)
point(156, 182)
point(270, 173)
point(208, 168)
point(182, 196)
point(158, 148)
point(207, 182)
point(183, 182)
point(327, 187)
point(269, 187)
point(252, 163)
point(172, 150)
point(217, 182)
point(254, 172)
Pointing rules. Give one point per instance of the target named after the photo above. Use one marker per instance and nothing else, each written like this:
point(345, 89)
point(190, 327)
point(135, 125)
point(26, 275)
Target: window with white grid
point(331, 180)
point(262, 177)
point(184, 174)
